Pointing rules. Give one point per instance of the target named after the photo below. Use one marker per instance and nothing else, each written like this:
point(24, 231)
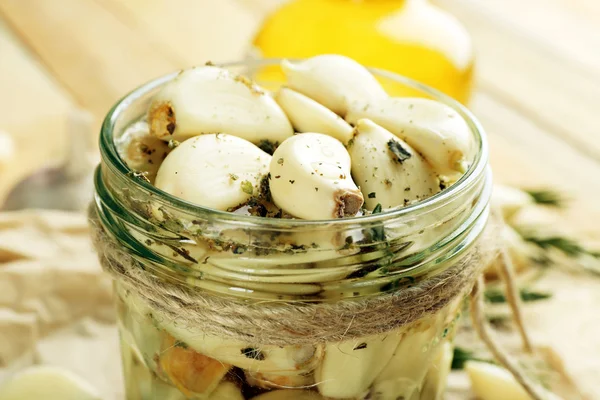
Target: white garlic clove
point(389, 171)
point(334, 81)
point(435, 381)
point(227, 391)
point(218, 171)
point(191, 372)
point(213, 100)
point(349, 368)
point(49, 383)
point(296, 359)
point(521, 252)
point(277, 381)
point(510, 200)
point(405, 372)
point(141, 151)
point(310, 178)
point(289, 395)
point(492, 382)
point(438, 132)
point(306, 115)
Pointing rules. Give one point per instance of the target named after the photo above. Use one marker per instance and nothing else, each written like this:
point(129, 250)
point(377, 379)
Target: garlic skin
point(216, 170)
point(349, 368)
point(388, 170)
point(48, 383)
point(306, 115)
point(277, 381)
point(334, 81)
point(209, 99)
point(433, 129)
point(310, 178)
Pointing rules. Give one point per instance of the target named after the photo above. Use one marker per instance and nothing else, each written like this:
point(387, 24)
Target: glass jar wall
point(243, 307)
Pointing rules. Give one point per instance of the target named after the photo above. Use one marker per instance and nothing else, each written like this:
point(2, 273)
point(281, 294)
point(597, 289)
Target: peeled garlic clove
point(509, 200)
point(218, 171)
point(270, 381)
point(404, 374)
point(226, 391)
point(388, 170)
point(289, 395)
point(306, 115)
point(492, 382)
point(190, 371)
point(435, 381)
point(48, 383)
point(349, 368)
point(141, 151)
point(310, 178)
point(435, 130)
point(294, 359)
point(334, 81)
point(212, 100)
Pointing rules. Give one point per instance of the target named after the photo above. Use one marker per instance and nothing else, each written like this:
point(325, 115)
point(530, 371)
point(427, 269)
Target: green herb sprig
point(496, 296)
point(547, 197)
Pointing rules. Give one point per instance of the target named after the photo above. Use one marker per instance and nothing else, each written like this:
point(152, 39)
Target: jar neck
point(267, 258)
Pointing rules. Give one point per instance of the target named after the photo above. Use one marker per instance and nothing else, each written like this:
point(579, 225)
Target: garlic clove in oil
point(289, 395)
point(227, 391)
point(217, 170)
point(334, 81)
point(438, 132)
point(388, 170)
point(349, 368)
point(310, 178)
point(209, 99)
point(306, 115)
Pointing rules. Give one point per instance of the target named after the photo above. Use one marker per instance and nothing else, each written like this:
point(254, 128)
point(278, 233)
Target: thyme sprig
point(547, 197)
point(461, 356)
point(496, 295)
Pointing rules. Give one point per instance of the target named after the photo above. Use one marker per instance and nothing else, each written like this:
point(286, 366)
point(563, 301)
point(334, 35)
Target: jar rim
point(470, 178)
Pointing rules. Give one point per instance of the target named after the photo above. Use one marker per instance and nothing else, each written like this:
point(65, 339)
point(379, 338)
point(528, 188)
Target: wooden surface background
point(538, 85)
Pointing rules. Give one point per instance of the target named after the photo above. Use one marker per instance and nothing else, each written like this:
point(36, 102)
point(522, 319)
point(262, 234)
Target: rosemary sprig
point(496, 296)
point(461, 356)
point(566, 245)
point(547, 197)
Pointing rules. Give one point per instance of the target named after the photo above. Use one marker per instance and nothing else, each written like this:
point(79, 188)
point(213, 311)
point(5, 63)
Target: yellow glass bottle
point(411, 37)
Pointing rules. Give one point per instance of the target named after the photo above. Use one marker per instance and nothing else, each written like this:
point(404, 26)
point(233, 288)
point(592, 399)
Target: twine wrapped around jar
point(290, 323)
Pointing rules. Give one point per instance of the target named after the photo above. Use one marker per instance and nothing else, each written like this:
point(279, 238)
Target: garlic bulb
point(334, 81)
point(310, 178)
point(48, 383)
point(349, 368)
point(387, 169)
point(435, 130)
point(218, 171)
point(213, 100)
point(306, 115)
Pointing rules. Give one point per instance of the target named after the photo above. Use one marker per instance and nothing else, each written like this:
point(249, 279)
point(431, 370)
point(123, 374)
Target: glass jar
point(216, 305)
point(413, 38)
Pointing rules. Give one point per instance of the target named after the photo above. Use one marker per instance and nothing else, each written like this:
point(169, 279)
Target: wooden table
point(538, 77)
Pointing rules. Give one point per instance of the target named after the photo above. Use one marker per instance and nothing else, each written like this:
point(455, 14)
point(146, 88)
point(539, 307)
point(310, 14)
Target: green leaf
point(247, 187)
point(461, 356)
point(568, 246)
point(495, 296)
point(547, 197)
